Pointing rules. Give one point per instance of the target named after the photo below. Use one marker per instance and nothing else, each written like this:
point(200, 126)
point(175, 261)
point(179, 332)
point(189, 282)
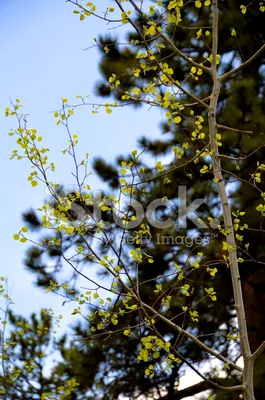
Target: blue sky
point(43, 60)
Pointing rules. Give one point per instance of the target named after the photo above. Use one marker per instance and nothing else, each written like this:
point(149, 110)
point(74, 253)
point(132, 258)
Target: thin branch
point(171, 169)
point(192, 337)
point(197, 100)
point(244, 156)
point(244, 65)
point(171, 44)
point(197, 388)
point(93, 13)
point(189, 391)
point(258, 352)
point(228, 128)
point(213, 384)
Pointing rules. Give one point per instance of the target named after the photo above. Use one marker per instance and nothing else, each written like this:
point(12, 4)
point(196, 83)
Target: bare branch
point(244, 65)
point(228, 128)
point(198, 388)
point(258, 352)
point(171, 169)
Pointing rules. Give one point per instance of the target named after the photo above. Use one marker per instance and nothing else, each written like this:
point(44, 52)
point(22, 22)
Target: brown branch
point(197, 100)
point(171, 169)
point(195, 389)
point(171, 44)
point(258, 352)
point(192, 337)
point(228, 128)
point(175, 352)
point(245, 64)
point(93, 13)
point(189, 391)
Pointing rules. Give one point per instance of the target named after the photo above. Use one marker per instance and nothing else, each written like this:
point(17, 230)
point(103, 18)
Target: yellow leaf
point(243, 9)
point(152, 30)
point(177, 119)
point(70, 230)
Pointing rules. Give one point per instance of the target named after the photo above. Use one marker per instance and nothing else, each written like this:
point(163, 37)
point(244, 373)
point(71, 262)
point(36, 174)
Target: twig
point(244, 65)
point(228, 128)
point(258, 352)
